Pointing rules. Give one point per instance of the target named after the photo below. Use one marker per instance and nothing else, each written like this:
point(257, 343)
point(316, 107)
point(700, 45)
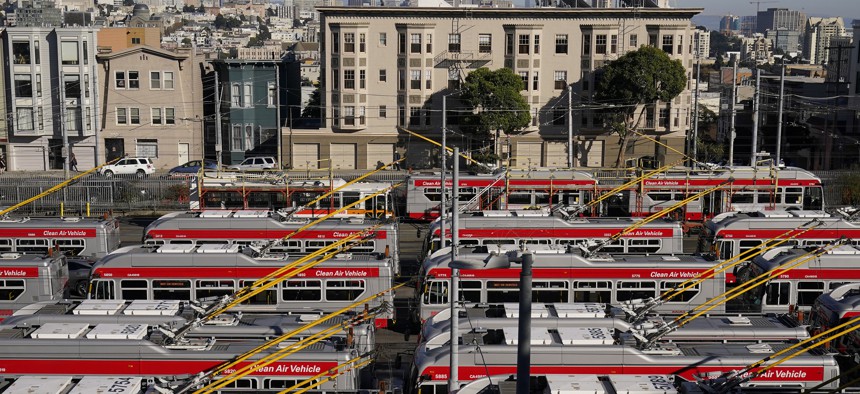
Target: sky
point(845, 8)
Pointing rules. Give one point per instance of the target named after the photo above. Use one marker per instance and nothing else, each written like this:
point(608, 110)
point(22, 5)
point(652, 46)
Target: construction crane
point(758, 5)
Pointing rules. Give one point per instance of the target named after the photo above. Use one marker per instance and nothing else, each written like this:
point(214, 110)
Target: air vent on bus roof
point(71, 220)
point(102, 384)
point(10, 256)
point(40, 384)
point(175, 248)
point(99, 307)
point(215, 213)
point(60, 331)
point(251, 213)
point(118, 331)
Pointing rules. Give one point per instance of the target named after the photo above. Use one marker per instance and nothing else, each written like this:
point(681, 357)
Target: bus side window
point(10, 289)
point(103, 290)
point(778, 293)
point(436, 292)
point(726, 249)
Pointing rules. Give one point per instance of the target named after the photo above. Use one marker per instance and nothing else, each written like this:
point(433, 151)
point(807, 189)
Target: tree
point(719, 63)
point(495, 98)
point(186, 42)
point(201, 9)
point(643, 76)
point(313, 109)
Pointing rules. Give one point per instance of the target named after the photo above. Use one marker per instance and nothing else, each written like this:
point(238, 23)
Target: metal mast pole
point(524, 350)
point(455, 273)
point(732, 134)
point(696, 110)
point(755, 117)
point(570, 126)
point(442, 205)
point(66, 152)
point(779, 121)
point(218, 124)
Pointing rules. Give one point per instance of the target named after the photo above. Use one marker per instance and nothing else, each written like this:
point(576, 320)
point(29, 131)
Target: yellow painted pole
point(88, 209)
point(62, 208)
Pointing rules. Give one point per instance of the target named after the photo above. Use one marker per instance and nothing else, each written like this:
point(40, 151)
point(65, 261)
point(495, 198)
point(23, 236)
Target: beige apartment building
point(387, 69)
point(153, 105)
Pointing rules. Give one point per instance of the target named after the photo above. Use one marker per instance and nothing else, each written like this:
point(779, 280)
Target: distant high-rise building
point(38, 13)
point(756, 48)
point(839, 57)
point(780, 18)
point(818, 34)
point(702, 42)
point(729, 24)
point(784, 39)
point(748, 25)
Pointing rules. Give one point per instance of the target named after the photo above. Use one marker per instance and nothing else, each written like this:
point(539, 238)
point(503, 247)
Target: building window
point(524, 75)
point(680, 45)
point(23, 86)
point(147, 148)
point(69, 52)
point(414, 116)
point(236, 138)
point(349, 79)
point(236, 95)
point(383, 112)
point(21, 53)
point(135, 41)
point(535, 81)
point(154, 80)
point(86, 53)
point(509, 44)
point(349, 42)
point(362, 76)
point(613, 44)
point(427, 118)
point(72, 85)
point(167, 82)
point(427, 79)
point(362, 43)
point(24, 118)
point(634, 41)
point(169, 116)
point(134, 116)
point(133, 80)
point(89, 118)
point(271, 91)
point(668, 43)
point(415, 79)
point(454, 42)
point(560, 80)
point(156, 116)
point(335, 42)
point(537, 44)
point(524, 44)
point(335, 79)
point(663, 120)
point(561, 43)
point(485, 43)
point(247, 98)
point(349, 116)
point(600, 44)
point(559, 117)
point(415, 43)
point(401, 79)
point(429, 41)
point(401, 116)
point(383, 39)
point(382, 76)
point(362, 115)
point(401, 43)
point(121, 116)
point(119, 79)
point(586, 44)
point(453, 79)
point(249, 137)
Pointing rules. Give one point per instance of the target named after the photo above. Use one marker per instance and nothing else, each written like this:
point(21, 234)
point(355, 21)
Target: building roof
point(548, 12)
point(305, 47)
point(144, 49)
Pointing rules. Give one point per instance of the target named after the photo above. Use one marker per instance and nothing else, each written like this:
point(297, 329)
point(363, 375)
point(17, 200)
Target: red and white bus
point(25, 279)
point(74, 236)
point(519, 189)
point(732, 233)
point(523, 229)
point(188, 272)
point(260, 227)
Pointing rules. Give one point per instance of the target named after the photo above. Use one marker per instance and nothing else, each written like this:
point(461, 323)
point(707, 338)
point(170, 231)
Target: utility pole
point(442, 205)
point(734, 114)
point(755, 117)
point(570, 147)
point(64, 151)
point(218, 124)
point(455, 277)
point(779, 119)
point(696, 109)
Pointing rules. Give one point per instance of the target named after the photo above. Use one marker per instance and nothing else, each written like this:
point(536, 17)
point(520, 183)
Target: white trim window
point(247, 97)
point(271, 91)
point(121, 116)
point(170, 116)
point(236, 95)
point(155, 80)
point(167, 80)
point(156, 117)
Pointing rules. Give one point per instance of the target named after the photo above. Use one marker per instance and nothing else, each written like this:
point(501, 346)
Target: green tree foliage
point(186, 42)
point(643, 76)
point(313, 109)
point(188, 8)
point(226, 23)
point(495, 98)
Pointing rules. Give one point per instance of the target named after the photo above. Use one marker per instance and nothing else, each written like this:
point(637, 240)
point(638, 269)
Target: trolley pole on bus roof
point(733, 110)
point(755, 117)
point(455, 273)
point(570, 156)
point(442, 177)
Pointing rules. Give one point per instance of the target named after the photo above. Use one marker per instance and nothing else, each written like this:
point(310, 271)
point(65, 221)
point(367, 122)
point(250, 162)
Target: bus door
point(103, 290)
point(375, 207)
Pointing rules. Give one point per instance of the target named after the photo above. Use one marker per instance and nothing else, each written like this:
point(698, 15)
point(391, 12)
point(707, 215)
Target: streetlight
point(498, 261)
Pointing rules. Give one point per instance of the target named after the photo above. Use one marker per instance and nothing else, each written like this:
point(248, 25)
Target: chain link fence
point(159, 193)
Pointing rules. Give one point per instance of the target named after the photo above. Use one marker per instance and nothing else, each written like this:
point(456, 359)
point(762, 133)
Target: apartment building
point(52, 93)
point(388, 69)
point(152, 105)
point(780, 18)
point(818, 34)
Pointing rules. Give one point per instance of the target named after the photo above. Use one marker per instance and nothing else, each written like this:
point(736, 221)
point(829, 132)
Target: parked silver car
point(255, 163)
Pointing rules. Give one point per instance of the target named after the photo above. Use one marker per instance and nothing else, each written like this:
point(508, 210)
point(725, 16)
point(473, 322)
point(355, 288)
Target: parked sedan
point(193, 167)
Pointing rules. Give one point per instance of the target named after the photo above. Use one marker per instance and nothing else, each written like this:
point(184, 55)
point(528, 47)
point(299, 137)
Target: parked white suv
point(140, 166)
point(255, 163)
